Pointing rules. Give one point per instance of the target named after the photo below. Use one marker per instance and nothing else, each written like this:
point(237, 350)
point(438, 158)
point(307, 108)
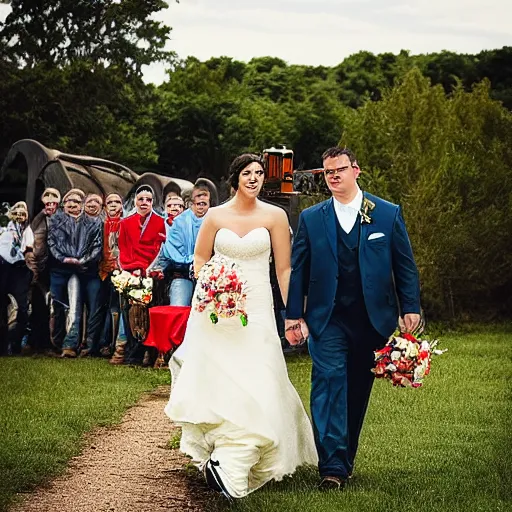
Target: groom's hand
point(411, 322)
point(293, 331)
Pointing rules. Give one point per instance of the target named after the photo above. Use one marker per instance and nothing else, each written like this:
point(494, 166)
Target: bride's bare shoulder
point(215, 211)
point(217, 214)
point(276, 212)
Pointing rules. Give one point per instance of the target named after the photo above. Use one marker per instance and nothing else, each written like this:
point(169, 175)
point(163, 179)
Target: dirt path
point(126, 468)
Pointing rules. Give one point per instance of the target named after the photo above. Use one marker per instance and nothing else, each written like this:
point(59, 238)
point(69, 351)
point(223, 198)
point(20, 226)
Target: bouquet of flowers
point(137, 289)
point(405, 360)
point(220, 290)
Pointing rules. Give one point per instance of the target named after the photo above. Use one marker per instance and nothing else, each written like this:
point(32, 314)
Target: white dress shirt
point(347, 213)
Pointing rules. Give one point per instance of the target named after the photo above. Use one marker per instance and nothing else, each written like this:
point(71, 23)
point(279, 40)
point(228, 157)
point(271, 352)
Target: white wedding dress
point(231, 393)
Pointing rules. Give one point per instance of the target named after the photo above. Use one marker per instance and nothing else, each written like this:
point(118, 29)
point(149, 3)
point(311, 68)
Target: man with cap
point(39, 334)
point(75, 243)
point(93, 294)
point(93, 205)
point(174, 205)
point(15, 275)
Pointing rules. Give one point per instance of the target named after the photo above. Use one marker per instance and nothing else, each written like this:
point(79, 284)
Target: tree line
point(431, 132)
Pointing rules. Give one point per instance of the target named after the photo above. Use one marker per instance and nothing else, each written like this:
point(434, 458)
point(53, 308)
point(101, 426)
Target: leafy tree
point(108, 32)
point(496, 65)
point(78, 110)
point(206, 117)
point(72, 76)
point(448, 162)
point(449, 69)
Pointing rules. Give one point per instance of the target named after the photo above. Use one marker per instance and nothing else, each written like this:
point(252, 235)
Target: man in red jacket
point(140, 237)
point(141, 234)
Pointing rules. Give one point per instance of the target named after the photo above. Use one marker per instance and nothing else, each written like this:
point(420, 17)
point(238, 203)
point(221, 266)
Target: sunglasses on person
point(113, 201)
point(201, 203)
point(76, 201)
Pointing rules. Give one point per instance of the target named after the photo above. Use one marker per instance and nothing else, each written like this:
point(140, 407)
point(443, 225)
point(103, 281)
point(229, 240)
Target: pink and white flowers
point(220, 290)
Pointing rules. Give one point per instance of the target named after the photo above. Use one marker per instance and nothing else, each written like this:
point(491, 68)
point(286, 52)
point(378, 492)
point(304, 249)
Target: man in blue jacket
point(353, 261)
point(177, 252)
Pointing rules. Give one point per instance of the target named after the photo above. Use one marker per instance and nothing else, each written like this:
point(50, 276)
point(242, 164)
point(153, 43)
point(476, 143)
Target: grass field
point(46, 406)
point(443, 447)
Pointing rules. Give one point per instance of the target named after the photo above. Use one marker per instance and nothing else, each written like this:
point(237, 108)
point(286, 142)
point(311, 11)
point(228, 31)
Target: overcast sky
point(324, 32)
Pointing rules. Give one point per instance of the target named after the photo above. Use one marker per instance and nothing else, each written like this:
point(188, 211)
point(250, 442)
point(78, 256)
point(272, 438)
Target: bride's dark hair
point(239, 164)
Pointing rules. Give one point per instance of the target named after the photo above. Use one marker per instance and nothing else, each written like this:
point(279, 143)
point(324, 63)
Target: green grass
point(46, 406)
point(443, 447)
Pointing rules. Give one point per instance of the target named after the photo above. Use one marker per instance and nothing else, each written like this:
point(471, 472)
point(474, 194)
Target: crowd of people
point(58, 267)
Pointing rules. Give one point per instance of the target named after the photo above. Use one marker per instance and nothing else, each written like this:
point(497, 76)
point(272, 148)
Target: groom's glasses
point(334, 172)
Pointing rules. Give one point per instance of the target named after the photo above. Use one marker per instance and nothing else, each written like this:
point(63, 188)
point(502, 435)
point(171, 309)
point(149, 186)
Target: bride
point(242, 421)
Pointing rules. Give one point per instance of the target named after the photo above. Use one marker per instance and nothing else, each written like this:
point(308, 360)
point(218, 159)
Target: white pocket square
point(373, 236)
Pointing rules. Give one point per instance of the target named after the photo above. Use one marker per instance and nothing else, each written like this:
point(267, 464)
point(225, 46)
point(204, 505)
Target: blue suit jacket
point(388, 272)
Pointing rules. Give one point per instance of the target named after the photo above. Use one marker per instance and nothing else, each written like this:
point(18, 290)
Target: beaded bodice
point(254, 247)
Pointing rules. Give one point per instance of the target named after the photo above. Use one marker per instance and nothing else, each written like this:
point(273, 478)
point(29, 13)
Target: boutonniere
point(365, 211)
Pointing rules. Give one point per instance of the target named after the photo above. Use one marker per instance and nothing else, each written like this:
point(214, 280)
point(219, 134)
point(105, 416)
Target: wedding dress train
point(230, 389)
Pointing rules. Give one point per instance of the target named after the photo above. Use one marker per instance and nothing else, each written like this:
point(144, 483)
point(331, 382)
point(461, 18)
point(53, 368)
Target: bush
point(448, 162)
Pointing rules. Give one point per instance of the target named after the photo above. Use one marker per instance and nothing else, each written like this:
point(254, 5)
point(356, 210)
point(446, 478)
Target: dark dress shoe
point(213, 479)
point(332, 483)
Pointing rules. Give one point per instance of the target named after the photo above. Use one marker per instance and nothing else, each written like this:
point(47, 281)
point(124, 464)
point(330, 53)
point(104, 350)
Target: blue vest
point(349, 292)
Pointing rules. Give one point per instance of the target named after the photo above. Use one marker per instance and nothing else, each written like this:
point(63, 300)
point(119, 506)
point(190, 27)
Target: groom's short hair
point(336, 151)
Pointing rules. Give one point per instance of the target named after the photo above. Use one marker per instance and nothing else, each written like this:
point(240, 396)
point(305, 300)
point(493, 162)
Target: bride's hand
point(304, 330)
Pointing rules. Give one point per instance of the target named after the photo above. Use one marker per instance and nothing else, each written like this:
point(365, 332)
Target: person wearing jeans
point(92, 291)
point(74, 242)
point(177, 252)
point(110, 310)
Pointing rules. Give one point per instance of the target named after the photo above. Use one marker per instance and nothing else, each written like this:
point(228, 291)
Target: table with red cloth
point(167, 326)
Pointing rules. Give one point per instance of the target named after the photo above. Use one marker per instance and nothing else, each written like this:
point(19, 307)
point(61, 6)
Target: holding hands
point(296, 331)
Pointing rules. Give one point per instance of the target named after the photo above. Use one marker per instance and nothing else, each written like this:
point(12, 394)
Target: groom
point(353, 260)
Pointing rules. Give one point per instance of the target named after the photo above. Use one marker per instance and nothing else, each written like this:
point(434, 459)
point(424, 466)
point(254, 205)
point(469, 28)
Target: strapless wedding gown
point(230, 389)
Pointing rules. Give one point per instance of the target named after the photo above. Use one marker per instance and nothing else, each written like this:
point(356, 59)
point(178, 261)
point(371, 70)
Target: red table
point(167, 325)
